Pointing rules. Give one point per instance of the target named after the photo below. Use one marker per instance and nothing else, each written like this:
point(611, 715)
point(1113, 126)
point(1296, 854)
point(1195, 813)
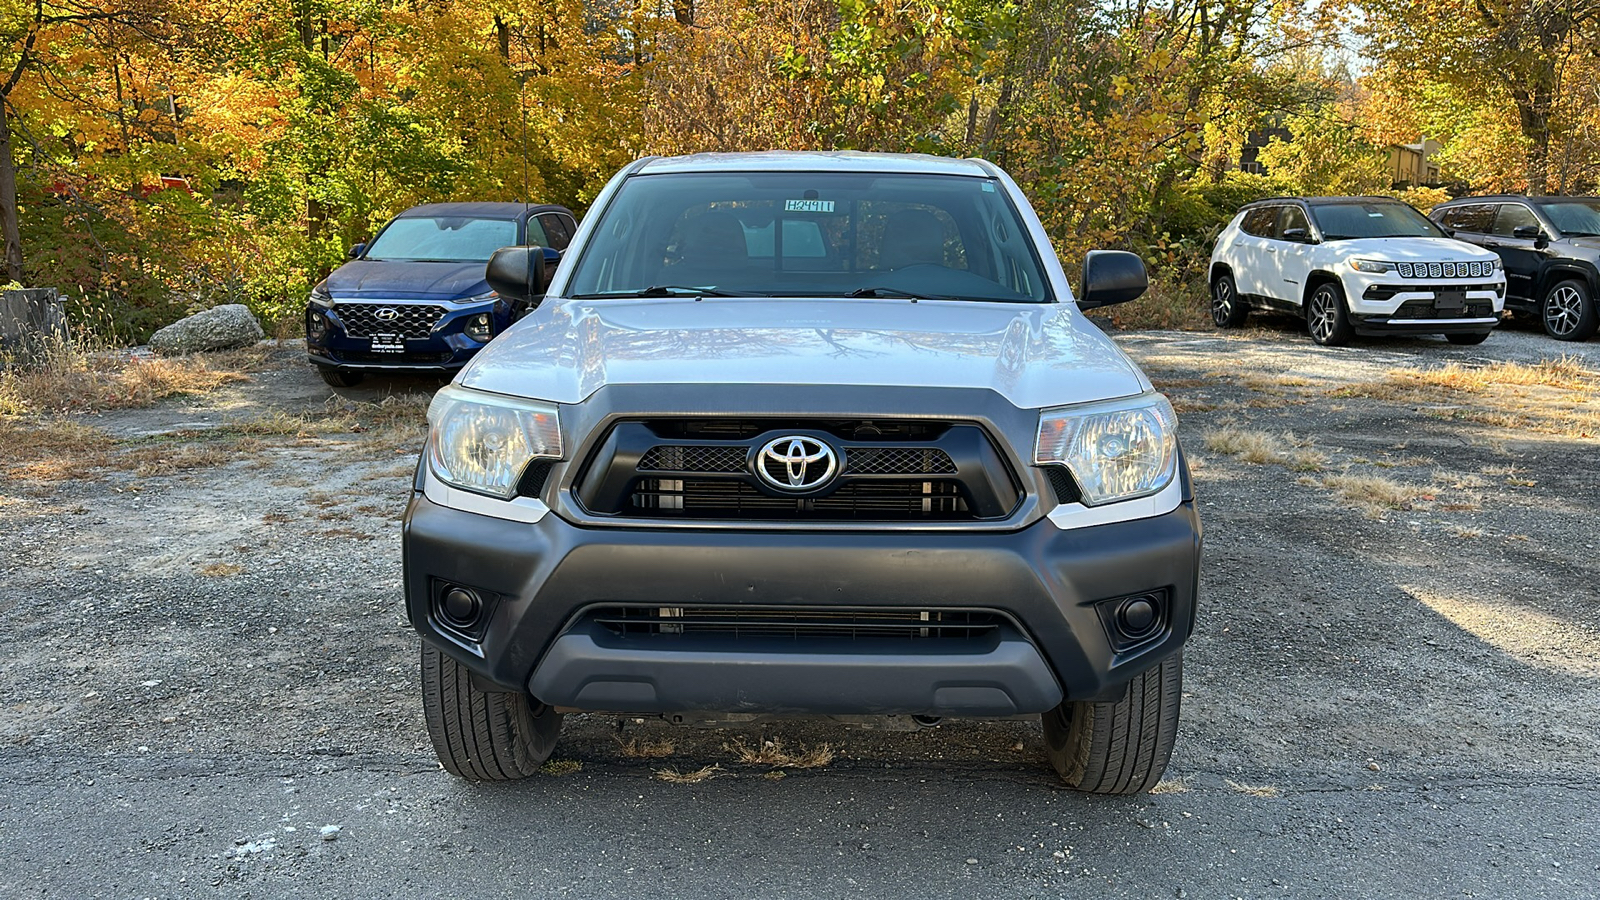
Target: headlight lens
point(480, 327)
point(1376, 266)
point(1116, 451)
point(481, 442)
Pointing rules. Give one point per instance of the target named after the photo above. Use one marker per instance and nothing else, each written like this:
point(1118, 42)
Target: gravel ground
point(208, 668)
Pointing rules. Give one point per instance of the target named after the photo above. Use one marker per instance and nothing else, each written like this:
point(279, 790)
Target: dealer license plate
point(388, 343)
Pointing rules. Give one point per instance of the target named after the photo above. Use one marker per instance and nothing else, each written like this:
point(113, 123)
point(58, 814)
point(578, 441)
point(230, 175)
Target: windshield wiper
point(913, 296)
point(666, 290)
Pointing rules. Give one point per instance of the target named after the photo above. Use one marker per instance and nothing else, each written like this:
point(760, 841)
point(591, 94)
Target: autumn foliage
point(287, 130)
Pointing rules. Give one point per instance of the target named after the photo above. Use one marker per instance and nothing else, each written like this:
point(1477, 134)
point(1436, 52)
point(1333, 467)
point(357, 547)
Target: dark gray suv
point(1551, 250)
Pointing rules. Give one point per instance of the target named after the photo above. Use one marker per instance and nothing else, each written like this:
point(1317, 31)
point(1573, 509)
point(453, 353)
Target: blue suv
point(415, 299)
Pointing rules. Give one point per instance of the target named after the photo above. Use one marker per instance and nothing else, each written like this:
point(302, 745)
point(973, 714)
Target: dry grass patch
point(69, 379)
point(675, 776)
point(774, 753)
point(1374, 495)
point(637, 748)
point(561, 767)
point(219, 570)
point(1567, 373)
point(53, 449)
point(1264, 791)
point(1171, 786)
point(1558, 396)
point(1266, 448)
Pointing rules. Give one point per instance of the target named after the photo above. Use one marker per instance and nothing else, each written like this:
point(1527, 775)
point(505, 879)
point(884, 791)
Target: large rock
point(32, 321)
point(218, 328)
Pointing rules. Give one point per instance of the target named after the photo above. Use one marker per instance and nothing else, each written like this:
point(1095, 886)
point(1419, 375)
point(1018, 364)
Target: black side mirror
point(1298, 235)
point(517, 273)
point(358, 249)
point(1111, 277)
point(1529, 233)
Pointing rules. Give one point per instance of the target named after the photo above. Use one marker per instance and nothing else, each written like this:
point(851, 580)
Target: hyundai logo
point(386, 314)
point(796, 463)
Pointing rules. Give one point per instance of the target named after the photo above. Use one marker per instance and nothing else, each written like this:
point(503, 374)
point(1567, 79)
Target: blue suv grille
point(405, 319)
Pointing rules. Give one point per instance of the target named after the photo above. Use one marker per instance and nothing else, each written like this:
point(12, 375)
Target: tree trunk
point(8, 200)
point(1533, 114)
point(683, 11)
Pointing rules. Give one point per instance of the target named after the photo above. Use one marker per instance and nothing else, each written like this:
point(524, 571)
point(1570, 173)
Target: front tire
point(1119, 746)
point(1228, 310)
point(339, 377)
point(483, 735)
point(1327, 318)
point(1568, 311)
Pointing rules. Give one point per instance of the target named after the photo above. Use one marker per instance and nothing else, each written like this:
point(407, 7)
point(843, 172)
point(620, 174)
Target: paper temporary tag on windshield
point(817, 206)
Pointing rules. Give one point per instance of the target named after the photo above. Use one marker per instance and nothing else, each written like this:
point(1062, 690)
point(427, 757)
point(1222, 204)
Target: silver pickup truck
point(805, 434)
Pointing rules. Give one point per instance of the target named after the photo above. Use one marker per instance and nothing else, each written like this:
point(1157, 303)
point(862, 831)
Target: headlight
point(481, 442)
point(1117, 451)
point(1375, 266)
point(321, 297)
point(1499, 264)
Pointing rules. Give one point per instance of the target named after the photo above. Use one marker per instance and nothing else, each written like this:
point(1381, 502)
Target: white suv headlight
point(481, 442)
point(1117, 450)
point(1376, 266)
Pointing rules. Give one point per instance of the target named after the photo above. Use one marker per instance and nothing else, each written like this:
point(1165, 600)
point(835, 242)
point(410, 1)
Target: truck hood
point(406, 280)
point(1035, 355)
point(1412, 249)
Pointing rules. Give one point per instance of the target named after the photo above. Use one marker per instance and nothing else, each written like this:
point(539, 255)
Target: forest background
point(162, 156)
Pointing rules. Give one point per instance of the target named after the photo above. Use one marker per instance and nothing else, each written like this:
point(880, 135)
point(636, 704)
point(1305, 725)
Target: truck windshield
point(1343, 221)
point(1575, 218)
point(809, 234)
point(442, 239)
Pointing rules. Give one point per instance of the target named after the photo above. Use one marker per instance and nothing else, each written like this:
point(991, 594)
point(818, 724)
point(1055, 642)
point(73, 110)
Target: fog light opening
point(1138, 616)
point(480, 327)
point(460, 606)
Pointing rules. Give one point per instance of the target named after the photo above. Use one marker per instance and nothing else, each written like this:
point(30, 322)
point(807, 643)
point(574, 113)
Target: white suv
point(1354, 265)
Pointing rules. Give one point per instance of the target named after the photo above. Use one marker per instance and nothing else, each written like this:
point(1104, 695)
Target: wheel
point(483, 735)
point(1326, 316)
point(340, 377)
point(1568, 311)
point(1467, 340)
point(1119, 746)
point(1227, 309)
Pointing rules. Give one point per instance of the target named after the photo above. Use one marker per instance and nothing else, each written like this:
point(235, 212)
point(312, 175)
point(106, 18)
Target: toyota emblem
point(386, 314)
point(796, 463)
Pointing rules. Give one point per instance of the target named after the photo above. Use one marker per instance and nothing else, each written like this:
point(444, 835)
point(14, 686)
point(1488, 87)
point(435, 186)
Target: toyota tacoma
point(805, 434)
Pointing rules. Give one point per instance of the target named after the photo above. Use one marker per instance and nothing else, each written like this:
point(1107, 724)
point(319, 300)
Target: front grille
point(860, 460)
point(693, 458)
point(863, 500)
point(1379, 293)
point(1479, 269)
point(1425, 309)
point(899, 461)
point(797, 622)
point(885, 471)
point(407, 358)
point(411, 320)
